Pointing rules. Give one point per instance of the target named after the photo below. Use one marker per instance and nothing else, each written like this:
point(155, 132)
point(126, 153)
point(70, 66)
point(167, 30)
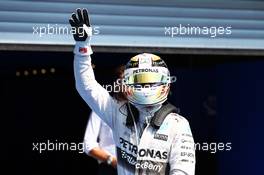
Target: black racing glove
point(81, 24)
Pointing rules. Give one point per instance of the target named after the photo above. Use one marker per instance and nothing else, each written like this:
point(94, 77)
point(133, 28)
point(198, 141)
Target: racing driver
point(150, 137)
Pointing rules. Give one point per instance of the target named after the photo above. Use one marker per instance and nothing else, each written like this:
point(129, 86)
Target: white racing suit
point(141, 149)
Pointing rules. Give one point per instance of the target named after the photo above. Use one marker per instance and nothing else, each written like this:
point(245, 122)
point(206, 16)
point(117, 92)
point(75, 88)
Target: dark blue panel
point(240, 101)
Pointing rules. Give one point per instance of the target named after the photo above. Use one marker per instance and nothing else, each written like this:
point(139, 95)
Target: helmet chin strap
point(149, 107)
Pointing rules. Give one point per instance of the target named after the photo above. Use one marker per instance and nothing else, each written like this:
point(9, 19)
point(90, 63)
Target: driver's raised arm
point(90, 90)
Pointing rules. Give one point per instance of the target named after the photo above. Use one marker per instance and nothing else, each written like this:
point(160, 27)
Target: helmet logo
point(145, 70)
point(144, 60)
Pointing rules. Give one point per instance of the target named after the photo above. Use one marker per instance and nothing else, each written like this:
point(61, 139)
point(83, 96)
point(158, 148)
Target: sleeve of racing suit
point(182, 155)
point(90, 90)
point(92, 133)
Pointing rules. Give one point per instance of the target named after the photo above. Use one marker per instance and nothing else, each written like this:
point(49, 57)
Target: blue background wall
point(240, 93)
